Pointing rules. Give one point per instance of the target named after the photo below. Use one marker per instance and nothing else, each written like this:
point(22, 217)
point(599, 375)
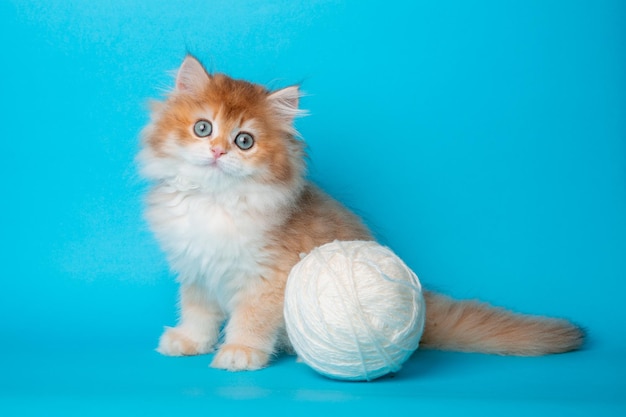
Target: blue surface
point(485, 142)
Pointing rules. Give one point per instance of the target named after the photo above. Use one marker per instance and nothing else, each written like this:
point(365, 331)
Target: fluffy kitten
point(231, 208)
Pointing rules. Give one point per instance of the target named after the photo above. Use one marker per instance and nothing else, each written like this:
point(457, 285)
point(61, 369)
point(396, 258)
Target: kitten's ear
point(191, 76)
point(285, 102)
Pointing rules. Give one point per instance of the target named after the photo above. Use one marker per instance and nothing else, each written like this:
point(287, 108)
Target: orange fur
point(236, 102)
point(473, 326)
point(307, 218)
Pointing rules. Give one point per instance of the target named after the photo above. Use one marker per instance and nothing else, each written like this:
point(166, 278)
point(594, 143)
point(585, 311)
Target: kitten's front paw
point(176, 341)
point(239, 358)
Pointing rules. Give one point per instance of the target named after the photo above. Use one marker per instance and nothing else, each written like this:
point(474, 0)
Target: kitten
point(232, 210)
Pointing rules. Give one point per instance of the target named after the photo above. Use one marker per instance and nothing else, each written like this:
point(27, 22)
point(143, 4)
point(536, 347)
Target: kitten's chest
point(218, 244)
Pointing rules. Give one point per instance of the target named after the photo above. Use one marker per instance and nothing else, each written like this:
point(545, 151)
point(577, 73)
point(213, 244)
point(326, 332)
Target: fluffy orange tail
point(471, 326)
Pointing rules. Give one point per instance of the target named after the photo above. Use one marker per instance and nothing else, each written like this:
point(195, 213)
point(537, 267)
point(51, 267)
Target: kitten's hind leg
point(198, 327)
point(253, 328)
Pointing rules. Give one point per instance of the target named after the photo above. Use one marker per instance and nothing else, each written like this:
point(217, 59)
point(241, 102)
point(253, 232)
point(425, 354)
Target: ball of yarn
point(353, 310)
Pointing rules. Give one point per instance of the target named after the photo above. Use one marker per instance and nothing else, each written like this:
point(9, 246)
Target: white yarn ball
point(353, 310)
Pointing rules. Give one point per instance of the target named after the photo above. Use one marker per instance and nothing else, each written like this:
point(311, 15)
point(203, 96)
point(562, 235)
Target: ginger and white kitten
point(233, 211)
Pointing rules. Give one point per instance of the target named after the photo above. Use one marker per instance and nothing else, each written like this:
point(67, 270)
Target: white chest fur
point(216, 242)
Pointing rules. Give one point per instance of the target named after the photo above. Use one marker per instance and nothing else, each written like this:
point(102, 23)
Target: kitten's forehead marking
point(206, 112)
point(241, 125)
point(249, 125)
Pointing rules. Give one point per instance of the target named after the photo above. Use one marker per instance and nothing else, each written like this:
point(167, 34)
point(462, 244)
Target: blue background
point(485, 142)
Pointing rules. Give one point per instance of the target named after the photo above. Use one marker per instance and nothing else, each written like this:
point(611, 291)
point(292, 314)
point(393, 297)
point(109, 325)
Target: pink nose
point(217, 152)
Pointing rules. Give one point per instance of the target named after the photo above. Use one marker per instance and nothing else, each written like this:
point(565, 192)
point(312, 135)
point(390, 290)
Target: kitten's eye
point(202, 128)
point(244, 141)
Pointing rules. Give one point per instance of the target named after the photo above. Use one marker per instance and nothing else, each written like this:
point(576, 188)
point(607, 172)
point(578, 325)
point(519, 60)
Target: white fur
point(198, 327)
point(213, 217)
point(214, 236)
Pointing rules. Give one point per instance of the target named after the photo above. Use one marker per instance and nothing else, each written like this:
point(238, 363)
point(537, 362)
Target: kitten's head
point(215, 131)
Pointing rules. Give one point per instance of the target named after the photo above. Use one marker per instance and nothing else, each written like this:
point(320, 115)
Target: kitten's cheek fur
point(240, 358)
point(178, 341)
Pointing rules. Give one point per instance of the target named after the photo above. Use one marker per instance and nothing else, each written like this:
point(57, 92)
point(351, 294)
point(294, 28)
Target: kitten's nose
point(217, 152)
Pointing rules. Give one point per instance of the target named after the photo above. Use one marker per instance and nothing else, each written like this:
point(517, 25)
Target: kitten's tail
point(471, 326)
